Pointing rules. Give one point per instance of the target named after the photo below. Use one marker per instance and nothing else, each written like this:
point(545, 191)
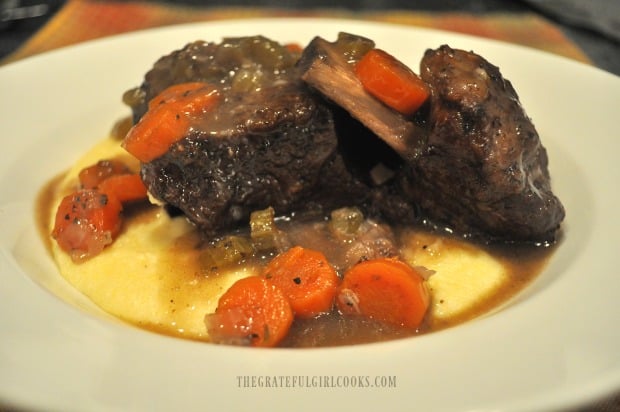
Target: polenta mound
point(152, 275)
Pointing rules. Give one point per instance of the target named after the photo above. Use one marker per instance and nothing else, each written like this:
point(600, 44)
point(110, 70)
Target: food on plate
point(330, 68)
point(253, 311)
point(268, 142)
point(473, 160)
point(89, 218)
point(390, 81)
point(273, 195)
point(307, 279)
point(387, 289)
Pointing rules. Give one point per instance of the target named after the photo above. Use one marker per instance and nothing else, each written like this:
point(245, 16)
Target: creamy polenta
point(151, 277)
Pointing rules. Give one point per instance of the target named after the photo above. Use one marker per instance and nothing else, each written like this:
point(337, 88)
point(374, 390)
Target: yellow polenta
point(149, 276)
point(146, 276)
point(465, 277)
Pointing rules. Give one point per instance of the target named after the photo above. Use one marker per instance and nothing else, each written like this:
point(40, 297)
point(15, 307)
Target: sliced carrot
point(251, 312)
point(90, 177)
point(294, 48)
point(86, 222)
point(157, 130)
point(168, 119)
point(384, 289)
point(89, 219)
point(391, 81)
point(175, 93)
point(306, 278)
point(126, 188)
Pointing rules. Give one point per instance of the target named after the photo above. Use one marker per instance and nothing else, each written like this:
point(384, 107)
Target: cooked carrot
point(251, 312)
point(294, 48)
point(168, 119)
point(306, 278)
point(126, 188)
point(384, 289)
point(155, 132)
point(87, 221)
point(90, 177)
point(391, 81)
point(174, 93)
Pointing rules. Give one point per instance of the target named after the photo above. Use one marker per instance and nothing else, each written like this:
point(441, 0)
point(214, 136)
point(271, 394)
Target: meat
point(474, 163)
point(484, 168)
point(283, 155)
point(271, 142)
point(300, 134)
point(328, 67)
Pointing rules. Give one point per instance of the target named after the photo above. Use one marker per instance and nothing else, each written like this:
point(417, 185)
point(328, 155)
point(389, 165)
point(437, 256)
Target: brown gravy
point(522, 262)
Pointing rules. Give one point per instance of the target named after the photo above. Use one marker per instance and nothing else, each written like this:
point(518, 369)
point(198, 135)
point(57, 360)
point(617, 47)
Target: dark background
point(593, 25)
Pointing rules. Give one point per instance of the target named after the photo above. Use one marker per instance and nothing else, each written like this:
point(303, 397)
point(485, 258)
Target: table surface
point(602, 48)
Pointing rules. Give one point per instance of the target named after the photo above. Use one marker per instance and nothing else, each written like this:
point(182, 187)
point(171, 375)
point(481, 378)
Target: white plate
point(556, 345)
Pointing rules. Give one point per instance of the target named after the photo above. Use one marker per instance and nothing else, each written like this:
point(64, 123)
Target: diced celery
point(345, 222)
point(226, 252)
point(263, 231)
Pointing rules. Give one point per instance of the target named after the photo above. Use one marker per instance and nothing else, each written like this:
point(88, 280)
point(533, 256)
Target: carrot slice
point(89, 219)
point(384, 289)
point(391, 81)
point(126, 188)
point(306, 278)
point(86, 221)
point(157, 130)
point(168, 119)
point(251, 312)
point(294, 48)
point(92, 176)
point(175, 93)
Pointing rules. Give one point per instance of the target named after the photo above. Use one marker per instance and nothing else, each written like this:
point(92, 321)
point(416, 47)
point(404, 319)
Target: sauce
point(185, 288)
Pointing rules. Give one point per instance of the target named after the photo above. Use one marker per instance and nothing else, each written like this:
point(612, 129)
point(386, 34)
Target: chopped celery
point(263, 231)
point(226, 252)
point(345, 222)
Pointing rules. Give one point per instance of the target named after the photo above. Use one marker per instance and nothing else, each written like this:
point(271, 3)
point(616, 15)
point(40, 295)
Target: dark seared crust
point(191, 63)
point(281, 145)
point(214, 63)
point(281, 152)
point(474, 165)
point(485, 169)
point(286, 160)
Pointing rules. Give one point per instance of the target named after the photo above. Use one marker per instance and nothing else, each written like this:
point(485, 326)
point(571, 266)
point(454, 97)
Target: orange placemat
point(82, 20)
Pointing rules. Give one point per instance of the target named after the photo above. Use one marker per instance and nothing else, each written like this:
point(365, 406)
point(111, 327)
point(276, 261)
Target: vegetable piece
point(155, 132)
point(225, 252)
point(306, 278)
point(346, 222)
point(87, 221)
point(251, 312)
point(392, 82)
point(384, 289)
point(92, 176)
point(90, 218)
point(263, 230)
point(353, 47)
point(294, 48)
point(126, 188)
point(175, 93)
point(168, 119)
